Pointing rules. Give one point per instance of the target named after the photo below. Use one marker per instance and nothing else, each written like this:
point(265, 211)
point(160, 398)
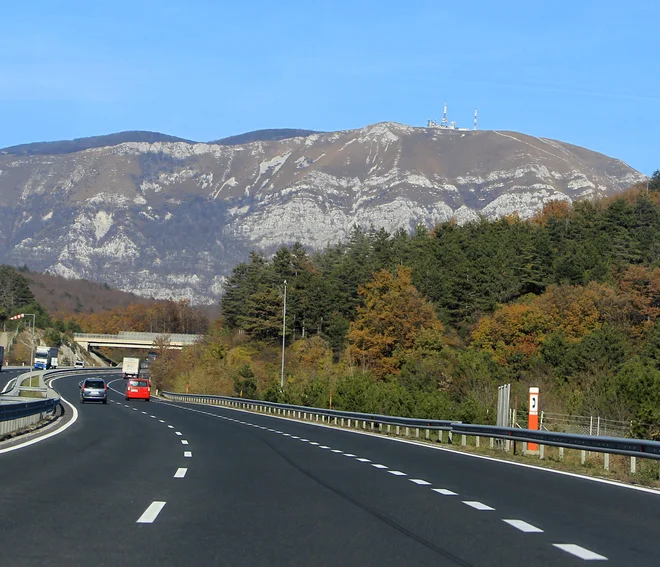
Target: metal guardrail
point(17, 413)
point(635, 448)
point(139, 336)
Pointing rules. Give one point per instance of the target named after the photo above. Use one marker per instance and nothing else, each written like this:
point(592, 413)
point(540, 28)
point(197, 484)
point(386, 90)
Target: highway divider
point(18, 412)
point(432, 430)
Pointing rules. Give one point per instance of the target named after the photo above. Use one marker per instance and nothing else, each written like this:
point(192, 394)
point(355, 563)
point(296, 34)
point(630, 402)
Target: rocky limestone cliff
point(171, 219)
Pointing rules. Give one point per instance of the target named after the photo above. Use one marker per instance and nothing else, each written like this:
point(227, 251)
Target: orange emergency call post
point(533, 420)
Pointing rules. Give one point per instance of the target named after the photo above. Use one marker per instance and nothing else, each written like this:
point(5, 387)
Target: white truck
point(43, 357)
point(130, 367)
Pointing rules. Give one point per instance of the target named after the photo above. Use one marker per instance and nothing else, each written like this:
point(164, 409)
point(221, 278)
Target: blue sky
point(584, 72)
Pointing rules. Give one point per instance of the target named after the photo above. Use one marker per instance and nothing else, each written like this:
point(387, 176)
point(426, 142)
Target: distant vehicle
point(79, 364)
point(43, 357)
point(93, 389)
point(54, 362)
point(130, 367)
point(138, 389)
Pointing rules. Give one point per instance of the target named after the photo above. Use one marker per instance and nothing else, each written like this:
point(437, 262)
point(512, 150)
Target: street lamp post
point(283, 336)
point(20, 316)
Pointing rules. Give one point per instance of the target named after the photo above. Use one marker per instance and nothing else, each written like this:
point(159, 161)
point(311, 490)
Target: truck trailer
point(130, 367)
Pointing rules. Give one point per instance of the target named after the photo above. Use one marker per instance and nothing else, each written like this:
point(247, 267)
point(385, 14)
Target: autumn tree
point(388, 320)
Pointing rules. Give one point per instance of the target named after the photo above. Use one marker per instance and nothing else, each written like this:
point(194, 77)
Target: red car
point(138, 389)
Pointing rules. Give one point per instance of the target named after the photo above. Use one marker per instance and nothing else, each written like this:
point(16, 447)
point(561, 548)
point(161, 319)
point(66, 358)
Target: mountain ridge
point(171, 219)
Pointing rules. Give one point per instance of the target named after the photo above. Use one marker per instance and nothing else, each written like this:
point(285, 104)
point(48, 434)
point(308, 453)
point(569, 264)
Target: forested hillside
point(429, 324)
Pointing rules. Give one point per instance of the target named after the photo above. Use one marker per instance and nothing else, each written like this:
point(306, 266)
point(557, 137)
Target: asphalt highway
point(161, 483)
point(8, 373)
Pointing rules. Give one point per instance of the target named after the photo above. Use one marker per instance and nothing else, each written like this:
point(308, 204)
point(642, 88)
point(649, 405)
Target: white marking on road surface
point(74, 418)
point(171, 426)
point(444, 492)
point(187, 454)
point(134, 409)
point(180, 473)
point(294, 437)
point(313, 443)
point(397, 473)
point(524, 526)
point(379, 466)
point(151, 513)
point(305, 440)
point(323, 447)
point(161, 420)
point(477, 505)
point(178, 433)
point(184, 442)
point(580, 552)
point(349, 455)
point(144, 412)
point(337, 451)
point(363, 460)
point(126, 405)
point(419, 481)
point(153, 416)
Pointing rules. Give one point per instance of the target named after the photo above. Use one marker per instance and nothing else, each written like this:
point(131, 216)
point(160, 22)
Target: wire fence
point(580, 424)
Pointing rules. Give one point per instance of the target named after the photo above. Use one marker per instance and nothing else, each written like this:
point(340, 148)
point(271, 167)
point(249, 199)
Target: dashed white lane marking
point(144, 412)
point(187, 454)
point(580, 552)
point(134, 409)
point(126, 405)
point(313, 443)
point(153, 416)
point(171, 426)
point(323, 447)
point(180, 473)
point(184, 442)
point(419, 481)
point(151, 513)
point(397, 473)
point(379, 466)
point(349, 455)
point(294, 437)
point(524, 526)
point(363, 460)
point(305, 440)
point(444, 492)
point(178, 433)
point(337, 451)
point(162, 420)
point(477, 505)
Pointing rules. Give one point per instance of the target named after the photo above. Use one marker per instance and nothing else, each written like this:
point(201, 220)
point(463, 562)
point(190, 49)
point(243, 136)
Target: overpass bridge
point(125, 339)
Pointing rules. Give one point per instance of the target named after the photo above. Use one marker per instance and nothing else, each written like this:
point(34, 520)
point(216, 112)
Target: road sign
point(533, 419)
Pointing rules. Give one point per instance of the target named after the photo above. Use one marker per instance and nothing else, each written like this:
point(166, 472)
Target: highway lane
point(257, 490)
point(8, 373)
point(74, 498)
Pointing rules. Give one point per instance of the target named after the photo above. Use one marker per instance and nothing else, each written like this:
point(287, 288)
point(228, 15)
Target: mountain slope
point(267, 135)
point(171, 219)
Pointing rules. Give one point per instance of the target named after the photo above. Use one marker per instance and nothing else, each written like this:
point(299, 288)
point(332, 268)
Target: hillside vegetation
point(430, 324)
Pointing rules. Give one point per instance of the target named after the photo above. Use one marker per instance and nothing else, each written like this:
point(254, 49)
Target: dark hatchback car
point(93, 390)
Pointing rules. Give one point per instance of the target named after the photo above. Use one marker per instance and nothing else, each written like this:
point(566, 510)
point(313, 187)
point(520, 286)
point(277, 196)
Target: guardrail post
point(372, 426)
point(492, 442)
point(583, 457)
point(389, 428)
point(342, 422)
point(364, 424)
point(440, 435)
point(463, 440)
point(476, 441)
point(416, 432)
point(407, 431)
point(633, 465)
point(428, 434)
point(541, 452)
point(335, 420)
point(397, 430)
point(607, 462)
point(450, 437)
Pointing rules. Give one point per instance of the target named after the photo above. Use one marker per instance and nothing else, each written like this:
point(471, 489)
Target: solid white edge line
point(580, 552)
point(74, 418)
point(432, 447)
point(151, 513)
point(524, 526)
point(180, 473)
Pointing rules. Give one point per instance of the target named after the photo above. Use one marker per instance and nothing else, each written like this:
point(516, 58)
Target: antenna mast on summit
point(444, 116)
point(475, 118)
